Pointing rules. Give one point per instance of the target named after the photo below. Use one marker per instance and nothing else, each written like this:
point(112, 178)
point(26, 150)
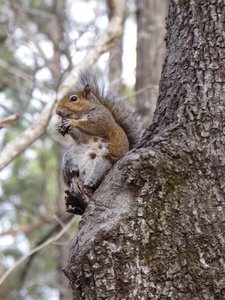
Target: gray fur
point(110, 99)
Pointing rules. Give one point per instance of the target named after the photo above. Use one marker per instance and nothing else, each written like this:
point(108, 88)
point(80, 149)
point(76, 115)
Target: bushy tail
point(110, 99)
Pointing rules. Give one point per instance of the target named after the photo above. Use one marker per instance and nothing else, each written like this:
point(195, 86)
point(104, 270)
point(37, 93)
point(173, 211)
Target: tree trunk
point(154, 229)
point(151, 48)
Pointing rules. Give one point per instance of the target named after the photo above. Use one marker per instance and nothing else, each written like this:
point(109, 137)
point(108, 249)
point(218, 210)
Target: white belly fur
point(84, 162)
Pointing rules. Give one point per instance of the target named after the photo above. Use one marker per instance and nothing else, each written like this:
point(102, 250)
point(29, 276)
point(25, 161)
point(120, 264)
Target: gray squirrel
point(102, 128)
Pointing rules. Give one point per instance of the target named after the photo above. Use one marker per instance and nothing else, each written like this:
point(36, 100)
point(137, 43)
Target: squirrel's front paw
point(64, 127)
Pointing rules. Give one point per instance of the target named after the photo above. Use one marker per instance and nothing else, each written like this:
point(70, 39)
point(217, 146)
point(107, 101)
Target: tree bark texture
point(151, 48)
point(154, 228)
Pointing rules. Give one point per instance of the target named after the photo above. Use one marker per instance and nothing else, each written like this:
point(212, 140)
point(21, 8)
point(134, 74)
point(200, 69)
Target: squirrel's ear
point(86, 90)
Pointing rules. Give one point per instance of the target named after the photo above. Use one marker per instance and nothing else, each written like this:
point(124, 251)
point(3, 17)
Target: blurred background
point(42, 44)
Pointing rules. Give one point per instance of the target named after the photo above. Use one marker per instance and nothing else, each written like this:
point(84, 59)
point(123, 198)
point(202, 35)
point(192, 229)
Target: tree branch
point(105, 43)
point(23, 140)
point(9, 121)
point(15, 71)
point(38, 248)
point(28, 228)
point(26, 138)
point(60, 223)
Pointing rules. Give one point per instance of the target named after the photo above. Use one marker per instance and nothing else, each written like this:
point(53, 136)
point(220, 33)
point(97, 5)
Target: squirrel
point(102, 128)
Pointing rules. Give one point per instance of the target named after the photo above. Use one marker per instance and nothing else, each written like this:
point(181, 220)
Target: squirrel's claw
point(64, 127)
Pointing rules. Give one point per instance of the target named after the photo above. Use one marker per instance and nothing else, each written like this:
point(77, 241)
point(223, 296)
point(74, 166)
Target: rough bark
point(151, 48)
point(154, 228)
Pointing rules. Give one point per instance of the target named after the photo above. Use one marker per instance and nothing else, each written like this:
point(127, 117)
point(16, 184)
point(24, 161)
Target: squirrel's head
point(74, 103)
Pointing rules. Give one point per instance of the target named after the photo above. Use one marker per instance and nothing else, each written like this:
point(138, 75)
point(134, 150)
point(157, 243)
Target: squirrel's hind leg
point(94, 176)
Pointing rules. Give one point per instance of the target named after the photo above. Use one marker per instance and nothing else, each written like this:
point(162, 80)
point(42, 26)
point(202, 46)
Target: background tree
point(115, 55)
point(151, 30)
point(154, 227)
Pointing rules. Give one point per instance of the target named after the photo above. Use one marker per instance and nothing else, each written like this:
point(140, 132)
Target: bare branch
point(9, 121)
point(2, 86)
point(38, 248)
point(105, 43)
point(44, 238)
point(15, 71)
point(6, 82)
point(28, 228)
point(142, 90)
point(32, 36)
point(36, 12)
point(26, 138)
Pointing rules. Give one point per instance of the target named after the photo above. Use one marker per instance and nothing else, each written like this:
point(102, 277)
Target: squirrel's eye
point(73, 98)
